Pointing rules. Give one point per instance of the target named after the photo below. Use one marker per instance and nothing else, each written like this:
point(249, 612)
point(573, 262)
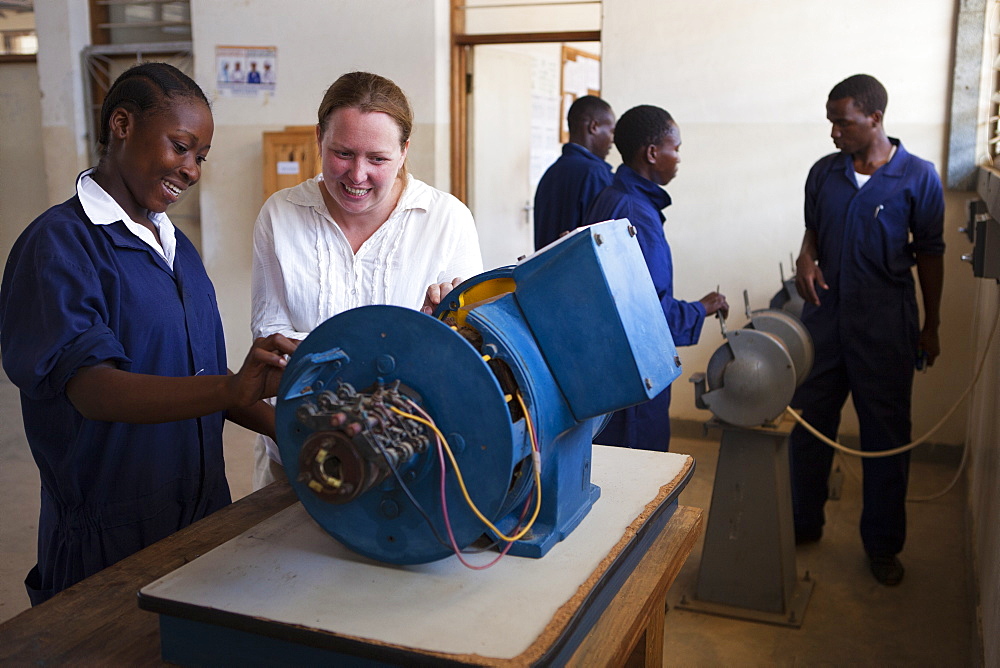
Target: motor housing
point(569, 334)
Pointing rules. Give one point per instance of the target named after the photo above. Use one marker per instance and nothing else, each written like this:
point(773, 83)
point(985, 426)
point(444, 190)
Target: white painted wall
point(984, 470)
point(63, 31)
point(23, 193)
point(317, 41)
point(17, 20)
point(984, 416)
point(747, 83)
point(512, 16)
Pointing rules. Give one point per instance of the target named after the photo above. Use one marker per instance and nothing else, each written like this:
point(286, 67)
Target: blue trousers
point(643, 427)
point(879, 379)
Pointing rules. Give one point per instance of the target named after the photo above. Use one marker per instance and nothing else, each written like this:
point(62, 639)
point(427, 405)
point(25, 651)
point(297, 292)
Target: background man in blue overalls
point(872, 211)
point(572, 182)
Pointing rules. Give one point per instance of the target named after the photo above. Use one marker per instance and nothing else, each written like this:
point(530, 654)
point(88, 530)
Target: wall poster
point(246, 71)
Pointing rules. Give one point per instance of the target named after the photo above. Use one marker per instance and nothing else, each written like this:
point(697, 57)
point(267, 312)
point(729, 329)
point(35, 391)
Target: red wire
point(444, 504)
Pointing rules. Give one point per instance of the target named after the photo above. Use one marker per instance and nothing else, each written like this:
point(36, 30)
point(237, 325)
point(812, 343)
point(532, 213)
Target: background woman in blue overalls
point(110, 328)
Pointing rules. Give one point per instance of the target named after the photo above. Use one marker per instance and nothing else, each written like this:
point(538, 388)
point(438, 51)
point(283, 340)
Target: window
point(140, 22)
point(993, 51)
point(126, 32)
point(17, 29)
point(973, 123)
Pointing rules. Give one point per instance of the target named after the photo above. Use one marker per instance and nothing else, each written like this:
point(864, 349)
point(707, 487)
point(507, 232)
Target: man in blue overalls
point(571, 183)
point(872, 211)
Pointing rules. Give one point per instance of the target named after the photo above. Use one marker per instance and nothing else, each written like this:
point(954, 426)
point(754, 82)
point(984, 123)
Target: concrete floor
point(929, 620)
point(851, 620)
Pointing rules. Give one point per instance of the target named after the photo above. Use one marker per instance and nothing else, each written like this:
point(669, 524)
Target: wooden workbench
point(98, 622)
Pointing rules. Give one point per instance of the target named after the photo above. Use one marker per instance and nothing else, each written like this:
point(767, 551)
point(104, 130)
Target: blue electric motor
point(569, 334)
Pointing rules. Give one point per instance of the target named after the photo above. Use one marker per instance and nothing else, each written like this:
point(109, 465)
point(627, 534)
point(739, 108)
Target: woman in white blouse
point(362, 232)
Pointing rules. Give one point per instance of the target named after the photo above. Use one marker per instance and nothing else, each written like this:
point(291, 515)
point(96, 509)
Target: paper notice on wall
point(575, 78)
point(246, 71)
point(591, 69)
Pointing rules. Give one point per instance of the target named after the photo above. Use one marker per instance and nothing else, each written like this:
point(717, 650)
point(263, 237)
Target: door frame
point(461, 83)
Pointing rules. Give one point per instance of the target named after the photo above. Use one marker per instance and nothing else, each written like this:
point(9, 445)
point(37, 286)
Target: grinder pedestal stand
point(748, 559)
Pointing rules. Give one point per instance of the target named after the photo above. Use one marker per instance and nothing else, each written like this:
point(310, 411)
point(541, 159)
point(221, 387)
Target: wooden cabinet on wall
point(290, 157)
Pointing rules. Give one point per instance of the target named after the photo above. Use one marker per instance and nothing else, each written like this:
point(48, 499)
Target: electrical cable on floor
point(909, 446)
point(842, 463)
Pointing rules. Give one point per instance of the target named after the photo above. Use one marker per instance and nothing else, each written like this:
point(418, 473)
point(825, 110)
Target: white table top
point(289, 570)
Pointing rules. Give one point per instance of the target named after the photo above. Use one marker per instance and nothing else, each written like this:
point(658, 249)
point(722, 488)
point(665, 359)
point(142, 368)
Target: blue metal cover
point(607, 303)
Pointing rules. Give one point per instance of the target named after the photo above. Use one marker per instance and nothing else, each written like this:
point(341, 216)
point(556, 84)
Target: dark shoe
point(806, 536)
point(887, 569)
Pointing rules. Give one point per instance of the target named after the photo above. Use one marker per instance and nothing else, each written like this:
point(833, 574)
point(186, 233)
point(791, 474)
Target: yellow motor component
point(476, 294)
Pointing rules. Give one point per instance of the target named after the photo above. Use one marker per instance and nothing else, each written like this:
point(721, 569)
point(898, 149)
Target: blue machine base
point(537, 547)
point(201, 636)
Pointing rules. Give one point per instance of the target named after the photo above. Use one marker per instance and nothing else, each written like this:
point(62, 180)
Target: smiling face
point(362, 158)
point(852, 130)
point(157, 156)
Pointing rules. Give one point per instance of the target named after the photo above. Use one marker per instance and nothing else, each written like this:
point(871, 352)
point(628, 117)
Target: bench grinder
point(752, 376)
point(748, 558)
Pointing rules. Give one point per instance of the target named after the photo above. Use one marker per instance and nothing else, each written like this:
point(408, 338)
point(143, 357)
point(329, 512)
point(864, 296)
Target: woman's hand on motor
point(437, 292)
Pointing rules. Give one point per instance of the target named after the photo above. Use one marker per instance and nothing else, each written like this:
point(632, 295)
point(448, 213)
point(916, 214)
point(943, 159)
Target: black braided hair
point(145, 88)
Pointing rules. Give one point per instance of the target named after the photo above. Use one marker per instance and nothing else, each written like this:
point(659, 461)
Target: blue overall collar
point(895, 168)
point(633, 183)
point(569, 148)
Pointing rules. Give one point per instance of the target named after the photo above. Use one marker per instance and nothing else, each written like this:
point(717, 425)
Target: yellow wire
point(909, 446)
point(461, 481)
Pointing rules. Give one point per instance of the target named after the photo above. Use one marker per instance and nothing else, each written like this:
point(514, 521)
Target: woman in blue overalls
point(109, 326)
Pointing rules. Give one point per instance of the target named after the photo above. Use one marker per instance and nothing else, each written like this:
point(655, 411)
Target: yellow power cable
point(461, 481)
point(909, 446)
